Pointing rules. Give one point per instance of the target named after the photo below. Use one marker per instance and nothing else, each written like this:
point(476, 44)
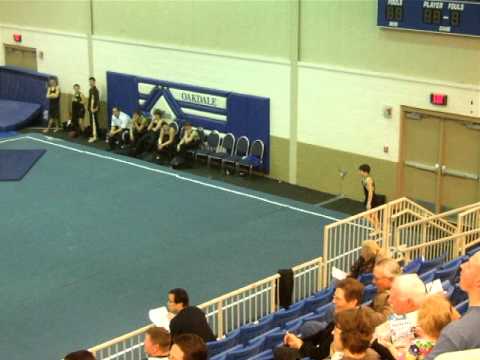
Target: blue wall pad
point(6, 134)
point(15, 164)
point(17, 114)
point(18, 84)
point(212, 109)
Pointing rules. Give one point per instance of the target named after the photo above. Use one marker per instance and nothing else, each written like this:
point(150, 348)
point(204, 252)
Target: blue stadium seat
point(454, 263)
point(428, 276)
point(228, 145)
point(431, 264)
point(293, 326)
point(241, 151)
point(369, 293)
point(282, 316)
point(448, 288)
point(365, 278)
point(272, 340)
point(413, 266)
point(328, 312)
point(250, 331)
point(222, 345)
point(458, 295)
point(313, 302)
point(462, 307)
point(264, 355)
point(255, 157)
point(246, 352)
point(472, 250)
point(449, 274)
point(223, 355)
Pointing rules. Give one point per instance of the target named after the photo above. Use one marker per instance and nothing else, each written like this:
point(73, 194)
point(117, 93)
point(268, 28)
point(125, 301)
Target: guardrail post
point(220, 319)
point(273, 295)
point(320, 274)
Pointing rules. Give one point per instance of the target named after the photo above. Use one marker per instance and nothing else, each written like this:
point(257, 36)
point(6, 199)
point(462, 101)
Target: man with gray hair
point(384, 273)
point(406, 295)
point(463, 334)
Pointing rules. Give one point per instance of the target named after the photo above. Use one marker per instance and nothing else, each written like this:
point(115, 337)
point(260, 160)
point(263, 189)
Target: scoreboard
point(441, 16)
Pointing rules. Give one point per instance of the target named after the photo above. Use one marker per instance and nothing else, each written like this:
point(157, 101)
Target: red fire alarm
point(438, 99)
point(17, 38)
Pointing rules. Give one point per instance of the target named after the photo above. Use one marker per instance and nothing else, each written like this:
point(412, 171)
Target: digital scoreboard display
point(450, 17)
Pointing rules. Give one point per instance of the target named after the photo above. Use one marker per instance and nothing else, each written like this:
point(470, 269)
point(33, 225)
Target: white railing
point(224, 314)
point(307, 279)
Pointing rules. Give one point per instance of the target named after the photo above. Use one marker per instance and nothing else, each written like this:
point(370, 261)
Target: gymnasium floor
point(92, 240)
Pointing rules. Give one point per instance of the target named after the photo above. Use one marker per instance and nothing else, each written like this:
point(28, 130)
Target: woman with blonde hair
point(370, 254)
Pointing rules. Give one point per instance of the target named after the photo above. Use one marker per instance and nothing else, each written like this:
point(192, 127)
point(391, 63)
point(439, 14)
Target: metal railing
point(224, 314)
point(307, 279)
point(468, 220)
point(450, 247)
point(343, 239)
point(430, 228)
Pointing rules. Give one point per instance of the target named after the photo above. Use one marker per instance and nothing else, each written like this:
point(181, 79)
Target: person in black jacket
point(93, 109)
point(187, 319)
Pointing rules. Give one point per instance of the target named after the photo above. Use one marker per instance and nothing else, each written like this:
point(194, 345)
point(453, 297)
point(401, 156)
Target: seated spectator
point(80, 355)
point(370, 254)
point(166, 142)
point(139, 126)
point(348, 295)
point(157, 343)
point(188, 347)
point(434, 314)
point(189, 140)
point(406, 296)
point(462, 334)
point(384, 272)
point(119, 130)
point(146, 143)
point(353, 334)
point(187, 319)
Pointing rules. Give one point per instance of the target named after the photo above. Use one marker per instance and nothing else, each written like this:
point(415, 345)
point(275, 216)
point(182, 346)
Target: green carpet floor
point(89, 244)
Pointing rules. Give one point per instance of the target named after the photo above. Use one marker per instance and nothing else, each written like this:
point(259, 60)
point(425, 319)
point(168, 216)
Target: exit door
point(21, 56)
point(440, 160)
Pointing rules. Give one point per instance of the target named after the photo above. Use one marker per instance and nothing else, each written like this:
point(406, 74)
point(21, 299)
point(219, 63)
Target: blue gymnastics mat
point(17, 114)
point(15, 164)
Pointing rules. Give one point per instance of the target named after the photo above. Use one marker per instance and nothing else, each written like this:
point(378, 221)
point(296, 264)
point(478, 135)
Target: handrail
point(120, 339)
point(429, 220)
point(446, 238)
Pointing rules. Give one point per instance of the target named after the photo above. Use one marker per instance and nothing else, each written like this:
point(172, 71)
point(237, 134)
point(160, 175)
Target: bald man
point(463, 334)
point(384, 273)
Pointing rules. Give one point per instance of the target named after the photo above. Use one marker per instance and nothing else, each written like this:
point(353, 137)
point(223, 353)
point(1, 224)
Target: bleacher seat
point(472, 250)
point(428, 265)
point(413, 266)
point(293, 326)
point(458, 295)
point(462, 307)
point(254, 159)
point(428, 276)
point(327, 311)
point(228, 145)
point(365, 278)
point(369, 293)
point(282, 316)
point(222, 355)
point(313, 302)
point(250, 331)
point(448, 288)
point(241, 150)
point(264, 355)
point(449, 274)
point(272, 340)
point(222, 345)
point(246, 352)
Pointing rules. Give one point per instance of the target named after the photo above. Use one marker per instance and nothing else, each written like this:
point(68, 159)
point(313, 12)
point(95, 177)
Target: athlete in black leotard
point(53, 96)
point(371, 200)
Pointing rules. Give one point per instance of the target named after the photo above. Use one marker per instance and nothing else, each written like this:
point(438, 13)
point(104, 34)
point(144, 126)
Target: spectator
point(348, 295)
point(93, 109)
point(384, 272)
point(188, 347)
point(406, 296)
point(370, 254)
point(189, 140)
point(147, 141)
point(119, 130)
point(157, 343)
point(462, 334)
point(77, 114)
point(166, 141)
point(80, 355)
point(187, 319)
point(53, 96)
point(353, 334)
point(139, 126)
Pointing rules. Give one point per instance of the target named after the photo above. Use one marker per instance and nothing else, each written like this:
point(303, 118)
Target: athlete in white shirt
point(119, 130)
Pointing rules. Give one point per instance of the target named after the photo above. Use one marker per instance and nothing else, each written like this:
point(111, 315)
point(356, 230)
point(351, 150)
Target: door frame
point(402, 141)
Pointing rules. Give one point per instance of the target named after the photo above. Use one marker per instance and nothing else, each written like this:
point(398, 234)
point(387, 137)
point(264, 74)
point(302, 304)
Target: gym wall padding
point(245, 115)
point(24, 85)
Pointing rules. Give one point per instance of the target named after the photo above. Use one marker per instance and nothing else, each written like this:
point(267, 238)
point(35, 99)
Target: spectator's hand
point(292, 341)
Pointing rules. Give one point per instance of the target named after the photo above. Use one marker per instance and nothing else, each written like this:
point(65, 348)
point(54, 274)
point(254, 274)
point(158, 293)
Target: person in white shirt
point(119, 129)
point(157, 343)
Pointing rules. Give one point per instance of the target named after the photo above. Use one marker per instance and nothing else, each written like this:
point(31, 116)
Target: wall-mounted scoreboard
point(450, 17)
